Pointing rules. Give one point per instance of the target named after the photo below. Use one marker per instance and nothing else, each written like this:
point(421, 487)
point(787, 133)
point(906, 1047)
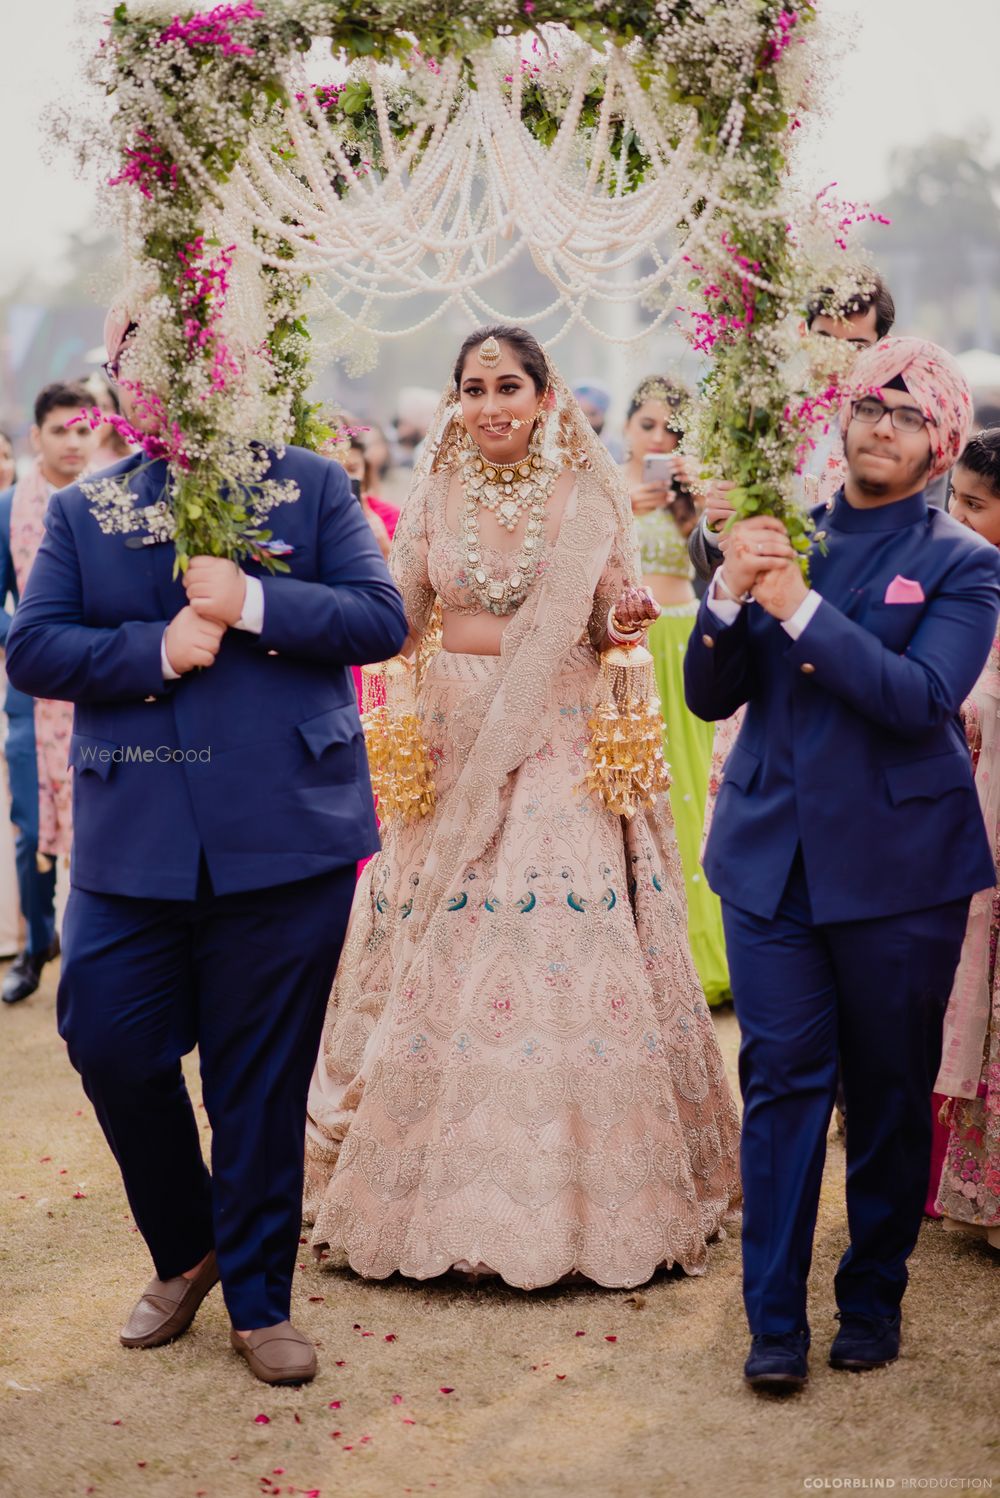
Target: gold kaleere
point(627, 769)
point(401, 768)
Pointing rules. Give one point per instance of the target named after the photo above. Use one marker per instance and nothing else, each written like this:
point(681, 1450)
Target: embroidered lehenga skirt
point(540, 1091)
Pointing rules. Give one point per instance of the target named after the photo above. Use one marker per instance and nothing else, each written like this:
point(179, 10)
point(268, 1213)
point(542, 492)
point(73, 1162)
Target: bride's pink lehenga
point(519, 1071)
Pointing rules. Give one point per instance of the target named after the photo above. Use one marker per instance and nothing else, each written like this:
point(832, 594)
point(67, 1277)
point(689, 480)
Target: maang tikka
point(489, 353)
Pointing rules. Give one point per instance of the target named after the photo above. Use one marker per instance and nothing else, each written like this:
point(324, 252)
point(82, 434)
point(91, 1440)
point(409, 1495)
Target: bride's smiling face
point(492, 399)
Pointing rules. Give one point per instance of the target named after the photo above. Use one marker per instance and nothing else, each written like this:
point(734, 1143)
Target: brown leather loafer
point(277, 1354)
point(167, 1307)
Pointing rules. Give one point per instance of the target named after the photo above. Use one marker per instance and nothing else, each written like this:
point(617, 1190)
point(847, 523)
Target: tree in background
point(942, 254)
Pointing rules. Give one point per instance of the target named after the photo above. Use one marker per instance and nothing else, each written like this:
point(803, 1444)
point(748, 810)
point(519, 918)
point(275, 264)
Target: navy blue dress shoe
point(778, 1362)
point(865, 1342)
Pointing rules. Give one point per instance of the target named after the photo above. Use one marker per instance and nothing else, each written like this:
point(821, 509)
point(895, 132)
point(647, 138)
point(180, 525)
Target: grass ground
point(446, 1388)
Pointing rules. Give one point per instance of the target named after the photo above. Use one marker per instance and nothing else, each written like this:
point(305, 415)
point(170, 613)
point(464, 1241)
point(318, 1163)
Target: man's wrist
point(252, 615)
point(802, 614)
point(169, 674)
point(722, 586)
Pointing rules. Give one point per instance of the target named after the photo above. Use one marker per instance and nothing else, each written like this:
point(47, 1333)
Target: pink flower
point(211, 29)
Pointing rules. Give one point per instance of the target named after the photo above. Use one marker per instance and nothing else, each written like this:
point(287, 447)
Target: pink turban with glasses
point(936, 384)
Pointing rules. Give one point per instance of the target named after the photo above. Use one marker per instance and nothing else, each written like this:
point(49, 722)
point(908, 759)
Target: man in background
point(594, 400)
point(63, 446)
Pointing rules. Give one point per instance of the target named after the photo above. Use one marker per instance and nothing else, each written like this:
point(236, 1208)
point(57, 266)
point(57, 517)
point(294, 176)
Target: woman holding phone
point(665, 513)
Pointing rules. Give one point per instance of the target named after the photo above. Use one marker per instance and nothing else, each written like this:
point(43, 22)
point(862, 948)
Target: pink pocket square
point(903, 590)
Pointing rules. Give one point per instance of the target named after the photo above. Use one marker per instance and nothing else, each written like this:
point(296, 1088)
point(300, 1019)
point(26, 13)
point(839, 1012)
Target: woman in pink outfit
point(965, 1187)
point(519, 1073)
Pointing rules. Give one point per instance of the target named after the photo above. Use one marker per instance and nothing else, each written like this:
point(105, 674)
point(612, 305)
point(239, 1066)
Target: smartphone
point(658, 468)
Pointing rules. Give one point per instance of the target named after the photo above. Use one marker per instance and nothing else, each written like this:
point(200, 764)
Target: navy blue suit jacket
point(851, 746)
point(274, 786)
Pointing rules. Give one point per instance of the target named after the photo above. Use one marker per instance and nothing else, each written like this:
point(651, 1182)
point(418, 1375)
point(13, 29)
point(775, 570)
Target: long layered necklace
point(508, 491)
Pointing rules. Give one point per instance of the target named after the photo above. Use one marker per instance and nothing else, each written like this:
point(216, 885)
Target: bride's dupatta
point(504, 721)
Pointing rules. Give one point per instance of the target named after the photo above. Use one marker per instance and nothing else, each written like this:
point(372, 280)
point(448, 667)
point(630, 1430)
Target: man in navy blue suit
point(221, 802)
point(846, 844)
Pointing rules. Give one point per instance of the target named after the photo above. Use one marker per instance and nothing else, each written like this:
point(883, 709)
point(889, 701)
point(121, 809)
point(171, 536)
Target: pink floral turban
point(116, 325)
point(934, 380)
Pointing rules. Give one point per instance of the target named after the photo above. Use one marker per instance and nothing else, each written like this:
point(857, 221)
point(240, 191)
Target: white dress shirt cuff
point(712, 537)
point(252, 617)
point(797, 622)
point(169, 674)
point(726, 610)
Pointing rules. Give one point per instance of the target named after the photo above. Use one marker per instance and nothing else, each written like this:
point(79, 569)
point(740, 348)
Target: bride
point(519, 1073)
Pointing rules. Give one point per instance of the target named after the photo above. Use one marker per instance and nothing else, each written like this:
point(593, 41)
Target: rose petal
point(391, 1337)
point(335, 1404)
point(611, 1339)
point(409, 1422)
point(560, 1375)
point(261, 1419)
point(297, 1418)
point(340, 1363)
point(79, 1196)
point(397, 1399)
point(445, 1390)
point(316, 1300)
point(579, 1334)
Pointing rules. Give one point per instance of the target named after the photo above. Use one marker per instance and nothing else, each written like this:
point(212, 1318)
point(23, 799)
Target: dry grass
point(662, 1410)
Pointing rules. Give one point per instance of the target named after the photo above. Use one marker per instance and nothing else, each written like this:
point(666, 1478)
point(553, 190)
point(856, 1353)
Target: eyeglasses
point(904, 418)
point(112, 367)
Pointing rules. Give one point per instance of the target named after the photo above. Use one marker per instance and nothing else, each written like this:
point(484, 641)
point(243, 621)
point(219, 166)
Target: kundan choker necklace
point(509, 490)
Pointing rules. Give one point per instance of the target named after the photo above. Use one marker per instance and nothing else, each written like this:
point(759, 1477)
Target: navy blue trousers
point(36, 891)
point(246, 978)
point(874, 993)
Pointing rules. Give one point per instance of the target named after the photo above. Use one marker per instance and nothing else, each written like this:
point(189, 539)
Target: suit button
point(708, 642)
point(149, 699)
point(807, 668)
point(272, 652)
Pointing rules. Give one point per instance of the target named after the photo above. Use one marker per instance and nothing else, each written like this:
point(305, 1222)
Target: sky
point(905, 69)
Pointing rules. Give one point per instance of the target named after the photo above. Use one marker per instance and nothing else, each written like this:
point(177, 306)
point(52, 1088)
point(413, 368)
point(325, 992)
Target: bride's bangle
point(619, 635)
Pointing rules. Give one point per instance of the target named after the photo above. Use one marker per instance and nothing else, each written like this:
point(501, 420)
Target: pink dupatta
point(53, 720)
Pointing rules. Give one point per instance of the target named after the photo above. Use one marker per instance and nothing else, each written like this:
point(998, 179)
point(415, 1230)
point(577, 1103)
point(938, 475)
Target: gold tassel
point(627, 769)
point(401, 769)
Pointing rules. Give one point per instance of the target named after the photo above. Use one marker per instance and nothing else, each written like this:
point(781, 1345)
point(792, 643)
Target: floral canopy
point(634, 149)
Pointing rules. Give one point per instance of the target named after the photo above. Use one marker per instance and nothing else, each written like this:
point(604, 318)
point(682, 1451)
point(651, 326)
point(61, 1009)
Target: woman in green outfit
point(665, 513)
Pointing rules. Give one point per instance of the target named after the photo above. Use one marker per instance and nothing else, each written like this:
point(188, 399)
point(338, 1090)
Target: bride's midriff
point(472, 634)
